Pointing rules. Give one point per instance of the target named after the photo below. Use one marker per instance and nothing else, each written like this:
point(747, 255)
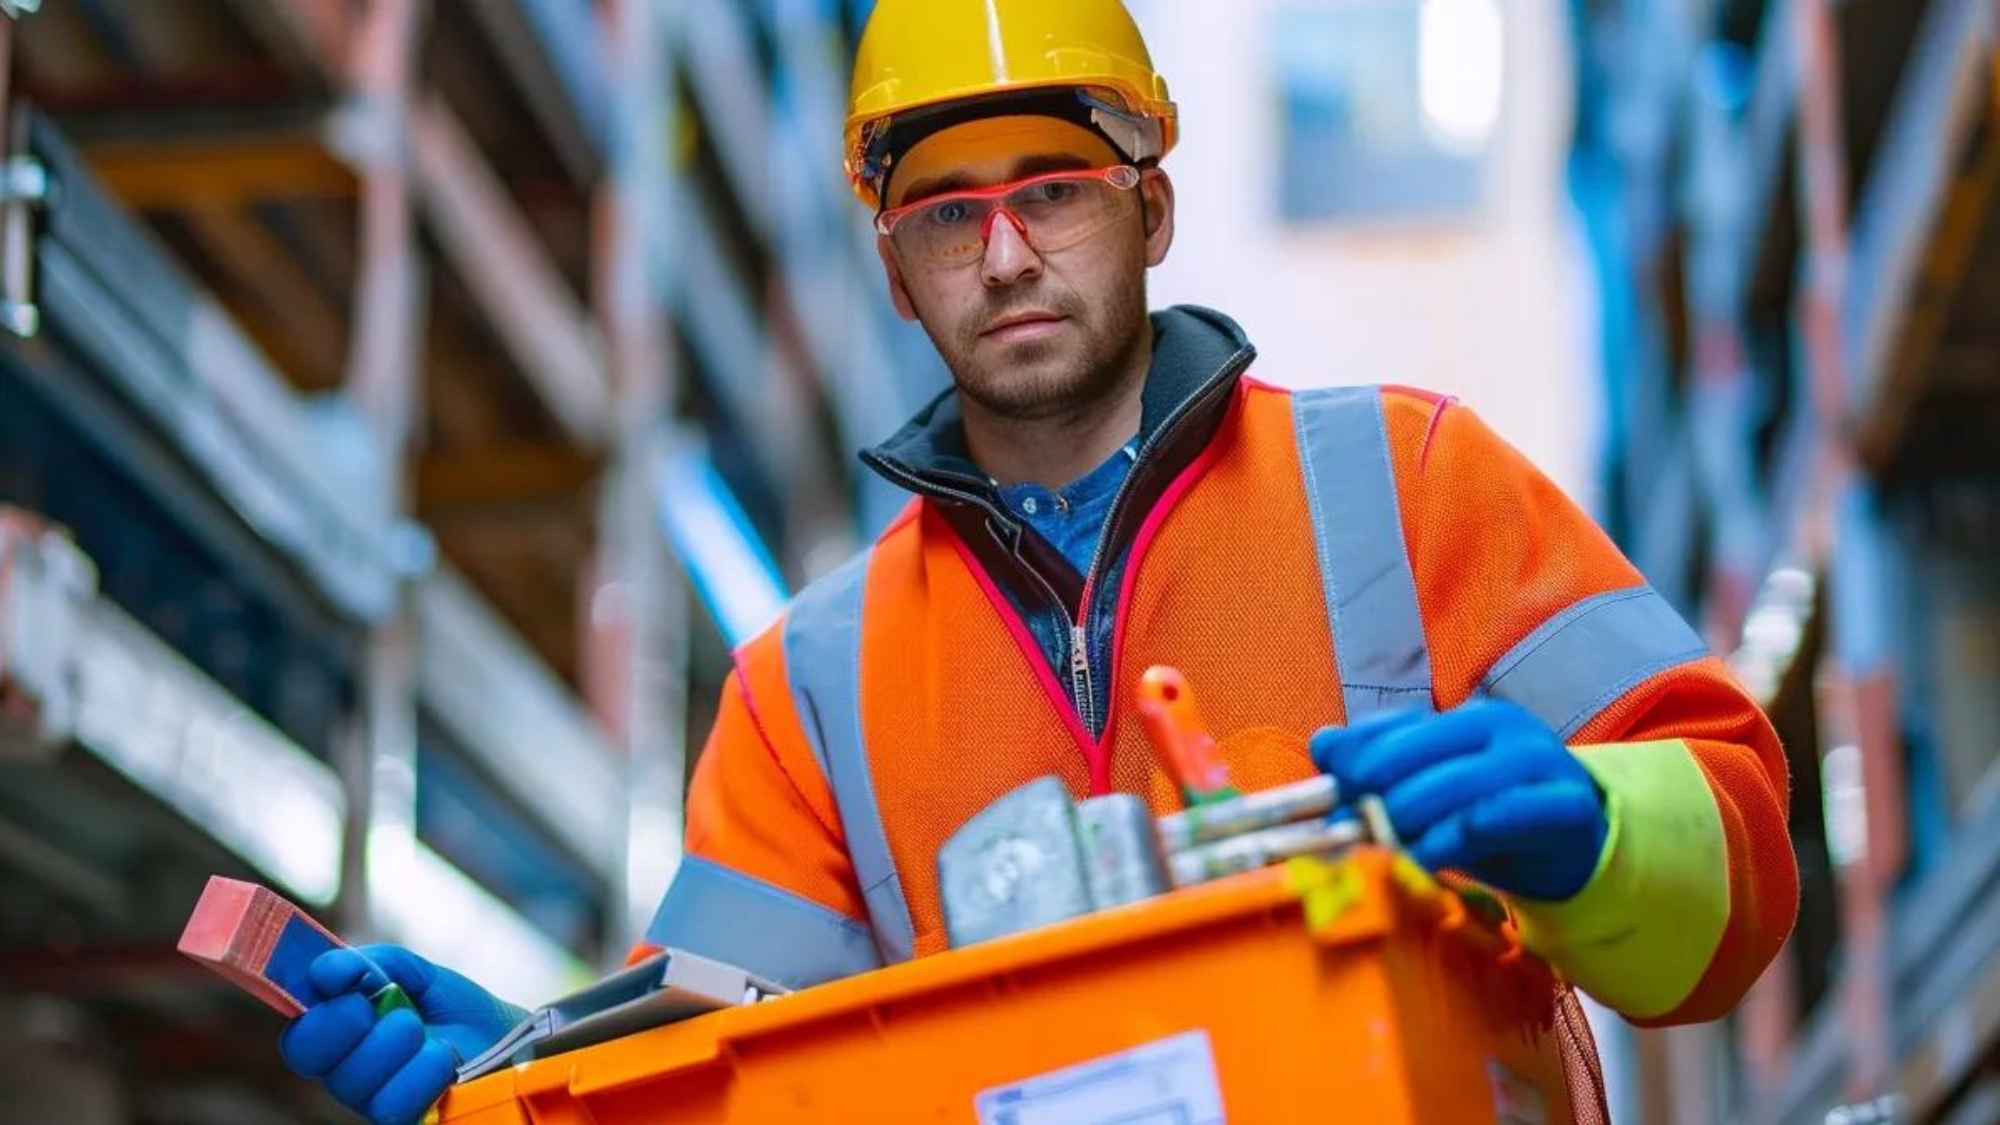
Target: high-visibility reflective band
point(724, 914)
point(1371, 595)
point(1583, 659)
point(823, 658)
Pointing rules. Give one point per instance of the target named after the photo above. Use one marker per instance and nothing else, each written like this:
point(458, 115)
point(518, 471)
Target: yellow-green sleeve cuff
point(1641, 933)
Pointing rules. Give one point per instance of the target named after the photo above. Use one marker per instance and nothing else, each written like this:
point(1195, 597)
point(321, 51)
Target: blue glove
point(390, 1068)
point(1487, 789)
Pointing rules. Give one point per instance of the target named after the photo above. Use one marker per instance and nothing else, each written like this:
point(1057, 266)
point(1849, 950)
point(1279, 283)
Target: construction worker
point(1104, 490)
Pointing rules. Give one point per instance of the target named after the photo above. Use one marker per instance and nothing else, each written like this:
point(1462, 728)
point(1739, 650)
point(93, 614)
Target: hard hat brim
point(874, 144)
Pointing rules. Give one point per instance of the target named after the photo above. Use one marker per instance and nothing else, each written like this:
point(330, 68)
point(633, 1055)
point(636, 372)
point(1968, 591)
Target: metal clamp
point(19, 318)
point(46, 586)
point(24, 179)
point(1885, 1110)
point(25, 186)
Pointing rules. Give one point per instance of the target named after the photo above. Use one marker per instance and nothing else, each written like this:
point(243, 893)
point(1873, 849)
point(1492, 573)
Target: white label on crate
point(1168, 1082)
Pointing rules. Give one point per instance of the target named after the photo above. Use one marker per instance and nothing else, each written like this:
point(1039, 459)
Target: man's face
point(1030, 334)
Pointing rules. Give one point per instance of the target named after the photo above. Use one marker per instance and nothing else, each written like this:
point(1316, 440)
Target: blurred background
point(405, 405)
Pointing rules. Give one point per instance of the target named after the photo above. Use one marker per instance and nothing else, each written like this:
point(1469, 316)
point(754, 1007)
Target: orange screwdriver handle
point(1173, 721)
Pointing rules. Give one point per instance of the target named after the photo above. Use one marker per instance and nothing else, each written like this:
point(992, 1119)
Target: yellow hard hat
point(922, 58)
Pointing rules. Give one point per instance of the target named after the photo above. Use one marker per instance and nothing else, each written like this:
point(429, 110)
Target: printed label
point(1168, 1082)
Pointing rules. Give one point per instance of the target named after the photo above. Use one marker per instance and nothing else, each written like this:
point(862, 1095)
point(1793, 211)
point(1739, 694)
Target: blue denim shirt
point(1072, 518)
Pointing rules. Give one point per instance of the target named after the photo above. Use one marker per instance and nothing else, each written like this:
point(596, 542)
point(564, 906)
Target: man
point(1103, 491)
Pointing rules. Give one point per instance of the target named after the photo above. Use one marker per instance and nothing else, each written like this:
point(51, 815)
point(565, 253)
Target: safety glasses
point(1052, 212)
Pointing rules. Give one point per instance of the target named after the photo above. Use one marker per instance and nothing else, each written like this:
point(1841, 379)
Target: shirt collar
point(1190, 345)
point(1099, 482)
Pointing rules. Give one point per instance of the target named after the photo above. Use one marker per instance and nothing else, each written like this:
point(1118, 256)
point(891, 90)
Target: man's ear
point(1157, 189)
point(899, 293)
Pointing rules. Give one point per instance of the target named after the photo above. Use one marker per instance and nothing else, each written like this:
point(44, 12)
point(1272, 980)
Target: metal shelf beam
point(714, 44)
point(92, 677)
point(518, 287)
point(169, 352)
point(1768, 129)
point(512, 717)
point(554, 52)
point(543, 325)
point(83, 674)
point(1916, 222)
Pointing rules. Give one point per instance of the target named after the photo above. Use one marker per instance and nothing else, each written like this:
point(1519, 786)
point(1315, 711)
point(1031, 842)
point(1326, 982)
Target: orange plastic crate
point(1350, 991)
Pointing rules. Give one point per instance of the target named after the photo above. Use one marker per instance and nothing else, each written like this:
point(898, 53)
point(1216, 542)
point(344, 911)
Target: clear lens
point(1055, 212)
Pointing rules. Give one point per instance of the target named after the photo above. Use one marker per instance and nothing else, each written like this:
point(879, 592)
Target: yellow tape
point(1325, 890)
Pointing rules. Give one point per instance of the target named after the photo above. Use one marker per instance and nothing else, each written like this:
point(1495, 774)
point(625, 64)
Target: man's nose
point(1008, 258)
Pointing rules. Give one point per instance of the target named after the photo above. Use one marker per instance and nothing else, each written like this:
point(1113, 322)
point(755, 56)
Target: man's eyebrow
point(936, 185)
point(1027, 166)
point(1043, 164)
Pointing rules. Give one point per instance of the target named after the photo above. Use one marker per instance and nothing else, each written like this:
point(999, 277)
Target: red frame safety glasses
point(1053, 212)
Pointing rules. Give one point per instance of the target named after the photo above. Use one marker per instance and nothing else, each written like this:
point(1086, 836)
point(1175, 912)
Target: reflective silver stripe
point(1371, 595)
point(1583, 659)
point(823, 657)
point(721, 913)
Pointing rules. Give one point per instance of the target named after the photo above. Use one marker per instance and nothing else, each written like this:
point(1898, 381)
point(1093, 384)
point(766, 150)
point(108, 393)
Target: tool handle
point(1173, 722)
point(1310, 799)
point(1247, 852)
point(391, 997)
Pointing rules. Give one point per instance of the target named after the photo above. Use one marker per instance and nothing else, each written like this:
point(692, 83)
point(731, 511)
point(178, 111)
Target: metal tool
point(1121, 853)
point(1313, 797)
point(1016, 865)
point(1036, 856)
point(1233, 855)
point(667, 987)
point(1248, 852)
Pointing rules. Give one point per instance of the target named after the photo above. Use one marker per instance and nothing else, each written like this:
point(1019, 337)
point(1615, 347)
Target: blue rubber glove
point(390, 1069)
point(1487, 789)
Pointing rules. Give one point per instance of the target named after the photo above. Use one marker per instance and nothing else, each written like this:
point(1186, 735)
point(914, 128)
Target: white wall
point(1493, 309)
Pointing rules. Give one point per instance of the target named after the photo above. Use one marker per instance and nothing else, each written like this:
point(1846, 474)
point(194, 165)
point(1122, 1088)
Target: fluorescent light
point(1844, 799)
point(421, 900)
point(1460, 67)
point(731, 568)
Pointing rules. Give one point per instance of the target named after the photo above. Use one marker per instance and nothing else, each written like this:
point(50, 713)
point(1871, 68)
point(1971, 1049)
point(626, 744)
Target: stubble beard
point(1036, 382)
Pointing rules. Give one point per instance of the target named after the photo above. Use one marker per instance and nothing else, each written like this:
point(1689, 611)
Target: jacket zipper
point(1079, 661)
point(1081, 690)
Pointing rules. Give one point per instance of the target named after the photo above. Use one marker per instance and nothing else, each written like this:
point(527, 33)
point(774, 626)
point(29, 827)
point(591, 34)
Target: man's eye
point(951, 212)
point(1055, 191)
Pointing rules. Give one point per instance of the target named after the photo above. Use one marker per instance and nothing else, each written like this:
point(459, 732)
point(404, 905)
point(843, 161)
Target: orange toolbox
point(1355, 989)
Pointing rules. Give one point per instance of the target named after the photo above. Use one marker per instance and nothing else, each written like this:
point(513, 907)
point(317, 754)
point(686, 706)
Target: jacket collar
point(1193, 348)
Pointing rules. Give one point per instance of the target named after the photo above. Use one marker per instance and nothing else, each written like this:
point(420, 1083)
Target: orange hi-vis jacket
point(1307, 559)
